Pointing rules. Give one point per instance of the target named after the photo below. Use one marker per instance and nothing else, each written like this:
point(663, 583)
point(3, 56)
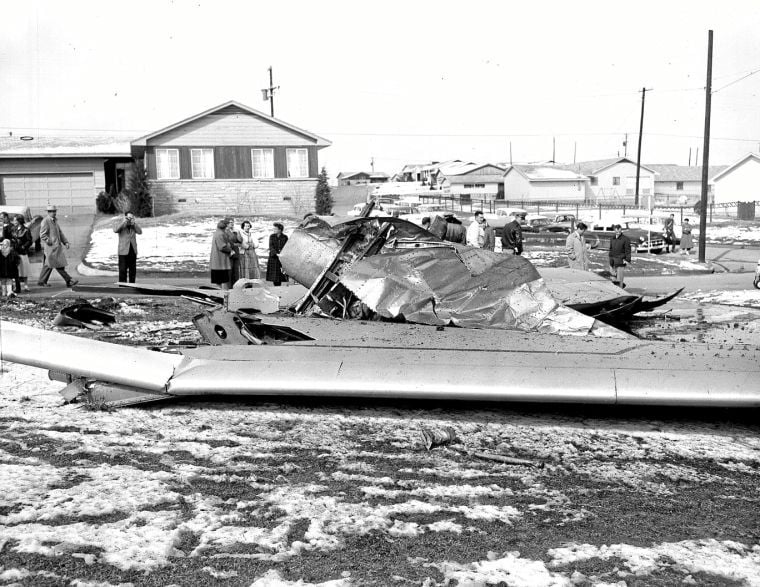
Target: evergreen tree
point(323, 199)
point(139, 190)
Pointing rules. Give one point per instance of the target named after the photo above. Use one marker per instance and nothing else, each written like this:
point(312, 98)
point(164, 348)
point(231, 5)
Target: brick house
point(231, 159)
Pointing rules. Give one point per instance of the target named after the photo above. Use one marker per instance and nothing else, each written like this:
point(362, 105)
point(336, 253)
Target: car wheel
point(756, 283)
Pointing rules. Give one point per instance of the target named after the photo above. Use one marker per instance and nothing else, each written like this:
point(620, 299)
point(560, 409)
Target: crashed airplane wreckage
point(388, 269)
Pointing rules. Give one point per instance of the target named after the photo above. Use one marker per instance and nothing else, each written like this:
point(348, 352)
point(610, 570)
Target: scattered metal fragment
point(433, 437)
point(84, 315)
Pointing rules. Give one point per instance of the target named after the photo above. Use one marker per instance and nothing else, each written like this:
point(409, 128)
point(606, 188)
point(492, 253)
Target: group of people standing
point(233, 254)
point(687, 241)
point(15, 246)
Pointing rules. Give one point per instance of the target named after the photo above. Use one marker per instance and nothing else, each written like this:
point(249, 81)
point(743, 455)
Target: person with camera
point(127, 229)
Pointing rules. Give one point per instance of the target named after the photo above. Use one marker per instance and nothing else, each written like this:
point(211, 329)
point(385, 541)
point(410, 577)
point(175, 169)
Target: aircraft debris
point(390, 269)
point(84, 315)
point(433, 437)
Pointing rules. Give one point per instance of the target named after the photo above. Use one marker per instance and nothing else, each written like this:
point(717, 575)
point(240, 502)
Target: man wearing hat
point(620, 254)
point(53, 241)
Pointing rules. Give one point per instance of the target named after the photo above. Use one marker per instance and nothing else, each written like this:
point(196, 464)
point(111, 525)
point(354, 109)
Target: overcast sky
point(397, 81)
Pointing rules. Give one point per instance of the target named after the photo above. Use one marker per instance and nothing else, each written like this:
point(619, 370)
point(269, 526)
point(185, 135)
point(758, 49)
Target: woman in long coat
point(219, 262)
point(249, 260)
point(687, 241)
point(277, 241)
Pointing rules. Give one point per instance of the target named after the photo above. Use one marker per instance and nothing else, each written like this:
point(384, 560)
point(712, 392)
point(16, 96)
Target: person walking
point(576, 248)
point(53, 243)
point(687, 242)
point(127, 229)
point(277, 241)
point(6, 231)
point(670, 234)
point(476, 234)
point(221, 251)
point(22, 244)
point(8, 269)
point(512, 238)
point(249, 260)
point(620, 255)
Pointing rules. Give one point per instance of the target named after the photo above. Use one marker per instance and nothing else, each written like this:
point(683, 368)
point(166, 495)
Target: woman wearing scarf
point(277, 241)
point(219, 263)
point(249, 260)
point(22, 244)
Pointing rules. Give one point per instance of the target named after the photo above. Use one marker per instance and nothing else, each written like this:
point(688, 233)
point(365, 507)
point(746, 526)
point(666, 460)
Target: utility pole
point(641, 132)
point(706, 150)
point(268, 93)
point(554, 149)
point(625, 145)
point(575, 150)
point(372, 164)
point(510, 152)
point(689, 156)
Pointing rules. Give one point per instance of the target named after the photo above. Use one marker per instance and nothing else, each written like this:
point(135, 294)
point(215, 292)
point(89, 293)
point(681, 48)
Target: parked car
point(562, 223)
point(32, 222)
point(357, 210)
point(537, 223)
point(399, 209)
point(642, 241)
point(503, 216)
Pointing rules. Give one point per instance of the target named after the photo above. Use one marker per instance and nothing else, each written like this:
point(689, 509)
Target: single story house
point(526, 183)
point(614, 180)
point(681, 184)
point(231, 159)
point(66, 171)
point(739, 182)
point(361, 177)
point(470, 181)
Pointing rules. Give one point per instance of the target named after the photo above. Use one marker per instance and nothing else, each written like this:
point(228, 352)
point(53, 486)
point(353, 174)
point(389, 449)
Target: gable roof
point(599, 165)
point(320, 142)
point(684, 172)
point(350, 174)
point(82, 146)
point(546, 173)
point(730, 168)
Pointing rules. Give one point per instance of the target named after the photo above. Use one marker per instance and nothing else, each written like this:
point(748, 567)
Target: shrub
point(105, 203)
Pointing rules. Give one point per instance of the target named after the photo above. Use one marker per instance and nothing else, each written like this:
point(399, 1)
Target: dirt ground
point(304, 492)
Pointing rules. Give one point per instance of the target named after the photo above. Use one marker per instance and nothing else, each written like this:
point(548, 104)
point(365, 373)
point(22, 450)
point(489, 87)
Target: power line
point(736, 81)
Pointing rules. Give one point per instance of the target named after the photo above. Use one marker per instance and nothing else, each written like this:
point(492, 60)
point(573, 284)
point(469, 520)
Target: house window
point(679, 186)
point(202, 163)
point(298, 163)
point(474, 186)
point(263, 162)
point(593, 180)
point(167, 163)
point(616, 181)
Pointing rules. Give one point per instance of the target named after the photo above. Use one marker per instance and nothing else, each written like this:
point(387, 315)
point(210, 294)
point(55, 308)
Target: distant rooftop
point(684, 172)
point(83, 146)
point(549, 173)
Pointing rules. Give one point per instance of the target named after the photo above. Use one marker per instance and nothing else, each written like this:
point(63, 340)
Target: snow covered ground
point(277, 494)
point(171, 244)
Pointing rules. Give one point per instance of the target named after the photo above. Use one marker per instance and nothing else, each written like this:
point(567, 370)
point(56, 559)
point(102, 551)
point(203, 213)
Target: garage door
point(65, 190)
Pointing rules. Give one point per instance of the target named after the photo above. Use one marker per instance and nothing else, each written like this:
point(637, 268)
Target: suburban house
point(739, 182)
point(469, 181)
point(531, 183)
point(361, 177)
point(66, 171)
point(681, 184)
point(614, 180)
point(231, 159)
point(425, 172)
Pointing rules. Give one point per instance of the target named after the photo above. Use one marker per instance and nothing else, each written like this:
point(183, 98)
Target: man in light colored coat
point(575, 247)
point(53, 242)
point(128, 229)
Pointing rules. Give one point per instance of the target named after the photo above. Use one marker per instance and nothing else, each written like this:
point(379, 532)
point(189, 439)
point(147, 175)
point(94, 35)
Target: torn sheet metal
point(84, 315)
point(414, 276)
